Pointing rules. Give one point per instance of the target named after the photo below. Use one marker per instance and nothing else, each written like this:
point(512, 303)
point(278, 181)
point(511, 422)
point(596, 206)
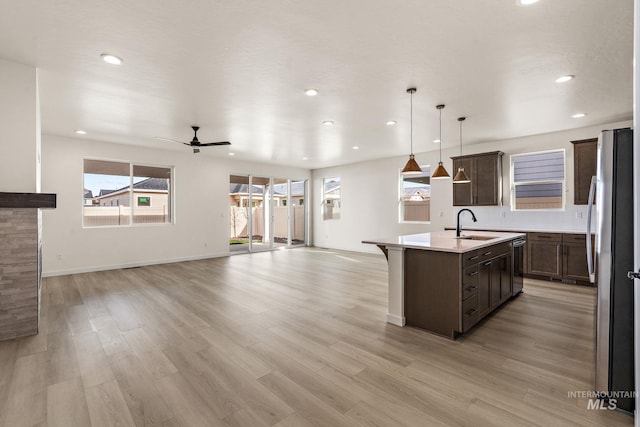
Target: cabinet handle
point(473, 273)
point(488, 263)
point(473, 258)
point(472, 312)
point(487, 253)
point(471, 288)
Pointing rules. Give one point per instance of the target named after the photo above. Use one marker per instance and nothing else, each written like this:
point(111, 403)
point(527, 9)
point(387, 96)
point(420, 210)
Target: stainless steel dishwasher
point(518, 264)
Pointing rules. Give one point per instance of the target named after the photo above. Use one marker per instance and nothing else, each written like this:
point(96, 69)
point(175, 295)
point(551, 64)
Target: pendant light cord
point(441, 134)
point(460, 135)
point(411, 123)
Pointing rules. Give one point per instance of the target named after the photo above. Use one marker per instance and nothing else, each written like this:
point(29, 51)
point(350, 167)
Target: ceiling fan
point(195, 143)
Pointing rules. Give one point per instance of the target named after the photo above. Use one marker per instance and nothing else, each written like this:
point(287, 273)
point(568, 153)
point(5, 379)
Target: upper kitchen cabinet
point(584, 167)
point(485, 172)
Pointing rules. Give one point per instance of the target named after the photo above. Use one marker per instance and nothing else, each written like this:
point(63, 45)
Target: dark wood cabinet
point(558, 256)
point(544, 254)
point(574, 257)
point(485, 172)
point(448, 293)
point(584, 167)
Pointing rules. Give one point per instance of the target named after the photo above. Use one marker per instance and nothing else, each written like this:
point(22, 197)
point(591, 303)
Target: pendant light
point(440, 171)
point(461, 177)
point(412, 167)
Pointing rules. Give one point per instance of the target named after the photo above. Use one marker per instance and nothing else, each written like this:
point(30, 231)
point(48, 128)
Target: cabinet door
point(545, 258)
point(506, 284)
point(486, 180)
point(584, 167)
point(574, 257)
point(462, 193)
point(484, 287)
point(495, 278)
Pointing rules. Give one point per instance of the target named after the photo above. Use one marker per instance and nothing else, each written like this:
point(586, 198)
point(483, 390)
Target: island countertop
point(445, 241)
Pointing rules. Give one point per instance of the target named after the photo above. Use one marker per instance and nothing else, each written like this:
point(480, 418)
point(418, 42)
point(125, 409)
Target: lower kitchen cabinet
point(560, 256)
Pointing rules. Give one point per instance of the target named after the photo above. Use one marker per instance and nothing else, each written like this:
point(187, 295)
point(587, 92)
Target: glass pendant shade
point(412, 167)
point(441, 171)
point(461, 177)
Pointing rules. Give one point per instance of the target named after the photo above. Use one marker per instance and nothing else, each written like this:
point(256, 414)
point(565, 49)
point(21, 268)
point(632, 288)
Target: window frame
point(325, 199)
point(401, 206)
point(563, 182)
point(132, 197)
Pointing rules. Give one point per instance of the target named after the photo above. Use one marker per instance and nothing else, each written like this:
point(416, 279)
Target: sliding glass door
point(266, 213)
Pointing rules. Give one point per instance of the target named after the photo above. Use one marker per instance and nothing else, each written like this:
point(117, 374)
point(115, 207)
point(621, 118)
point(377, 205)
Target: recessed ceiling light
point(232, 154)
point(391, 122)
point(566, 78)
point(327, 123)
point(436, 141)
point(578, 115)
point(305, 158)
point(355, 147)
point(527, 2)
point(111, 59)
point(81, 132)
point(311, 92)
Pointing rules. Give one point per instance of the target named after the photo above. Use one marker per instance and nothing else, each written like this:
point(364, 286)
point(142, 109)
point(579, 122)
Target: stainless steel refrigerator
point(613, 192)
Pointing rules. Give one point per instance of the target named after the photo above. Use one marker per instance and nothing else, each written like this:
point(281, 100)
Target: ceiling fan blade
point(208, 144)
point(169, 139)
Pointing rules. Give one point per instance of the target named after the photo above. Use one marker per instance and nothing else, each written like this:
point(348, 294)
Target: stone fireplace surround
point(20, 261)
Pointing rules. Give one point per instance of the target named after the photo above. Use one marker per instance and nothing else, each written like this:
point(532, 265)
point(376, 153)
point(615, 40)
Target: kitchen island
point(445, 284)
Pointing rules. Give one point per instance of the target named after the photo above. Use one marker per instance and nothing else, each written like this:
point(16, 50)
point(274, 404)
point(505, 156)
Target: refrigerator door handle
point(590, 263)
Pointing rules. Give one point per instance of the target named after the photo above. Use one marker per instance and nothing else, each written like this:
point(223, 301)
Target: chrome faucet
point(473, 217)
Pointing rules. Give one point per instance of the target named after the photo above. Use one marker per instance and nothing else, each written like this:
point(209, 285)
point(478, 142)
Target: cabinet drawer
point(494, 251)
point(576, 238)
point(469, 258)
point(469, 281)
point(544, 237)
point(469, 312)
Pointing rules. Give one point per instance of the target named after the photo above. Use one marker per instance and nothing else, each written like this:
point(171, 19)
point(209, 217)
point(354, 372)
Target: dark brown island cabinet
point(557, 256)
point(485, 172)
point(448, 293)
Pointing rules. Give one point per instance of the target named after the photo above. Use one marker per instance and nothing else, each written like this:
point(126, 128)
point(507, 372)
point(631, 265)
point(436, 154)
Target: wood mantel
point(27, 200)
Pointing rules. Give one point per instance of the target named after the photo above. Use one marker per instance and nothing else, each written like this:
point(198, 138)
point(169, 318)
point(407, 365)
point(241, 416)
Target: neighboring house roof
point(105, 192)
point(243, 189)
point(149, 184)
point(158, 184)
point(417, 191)
point(88, 194)
point(331, 186)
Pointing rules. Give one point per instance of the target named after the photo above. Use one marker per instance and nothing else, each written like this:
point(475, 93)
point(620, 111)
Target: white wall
point(20, 124)
point(201, 208)
point(369, 206)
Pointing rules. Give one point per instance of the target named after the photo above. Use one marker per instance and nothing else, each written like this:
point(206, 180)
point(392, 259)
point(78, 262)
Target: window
point(115, 184)
point(415, 196)
point(538, 181)
point(331, 198)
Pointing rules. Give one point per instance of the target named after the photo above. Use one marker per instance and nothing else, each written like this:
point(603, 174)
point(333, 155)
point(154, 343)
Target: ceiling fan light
point(412, 167)
point(461, 177)
point(440, 172)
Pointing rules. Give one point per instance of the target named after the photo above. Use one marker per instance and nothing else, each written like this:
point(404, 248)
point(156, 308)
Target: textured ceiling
point(239, 68)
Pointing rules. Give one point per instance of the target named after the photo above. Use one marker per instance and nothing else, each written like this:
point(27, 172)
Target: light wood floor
point(290, 338)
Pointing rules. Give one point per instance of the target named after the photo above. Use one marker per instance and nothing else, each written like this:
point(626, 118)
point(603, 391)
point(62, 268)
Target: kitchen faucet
point(473, 217)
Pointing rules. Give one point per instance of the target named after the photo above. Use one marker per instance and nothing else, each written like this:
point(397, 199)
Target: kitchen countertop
point(515, 230)
point(444, 241)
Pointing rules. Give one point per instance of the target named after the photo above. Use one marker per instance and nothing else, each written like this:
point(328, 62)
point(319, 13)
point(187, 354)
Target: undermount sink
point(475, 237)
